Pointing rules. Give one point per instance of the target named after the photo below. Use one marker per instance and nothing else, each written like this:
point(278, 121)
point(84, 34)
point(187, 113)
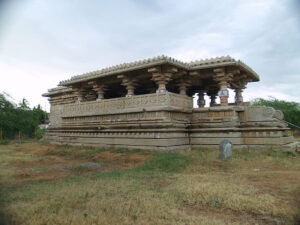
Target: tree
point(24, 104)
point(21, 118)
point(291, 110)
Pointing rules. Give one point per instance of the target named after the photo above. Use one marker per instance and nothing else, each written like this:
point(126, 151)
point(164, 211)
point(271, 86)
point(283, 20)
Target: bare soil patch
point(45, 161)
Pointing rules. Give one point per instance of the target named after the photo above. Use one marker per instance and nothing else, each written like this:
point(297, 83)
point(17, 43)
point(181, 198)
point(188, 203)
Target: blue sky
point(43, 42)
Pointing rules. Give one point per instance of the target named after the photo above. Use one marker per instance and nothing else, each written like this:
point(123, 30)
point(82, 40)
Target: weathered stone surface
point(263, 116)
point(225, 150)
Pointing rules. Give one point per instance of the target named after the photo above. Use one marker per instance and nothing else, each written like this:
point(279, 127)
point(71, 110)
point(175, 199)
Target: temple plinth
point(148, 105)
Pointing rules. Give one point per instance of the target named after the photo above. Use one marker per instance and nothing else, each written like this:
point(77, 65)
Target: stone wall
point(119, 106)
point(155, 122)
point(244, 126)
point(162, 122)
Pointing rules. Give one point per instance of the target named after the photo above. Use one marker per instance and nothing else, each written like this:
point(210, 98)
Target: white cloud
point(43, 42)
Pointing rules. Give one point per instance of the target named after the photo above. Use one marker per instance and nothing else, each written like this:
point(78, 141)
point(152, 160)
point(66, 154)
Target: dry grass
point(135, 187)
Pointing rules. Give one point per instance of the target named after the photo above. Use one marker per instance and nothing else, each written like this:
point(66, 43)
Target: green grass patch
point(165, 162)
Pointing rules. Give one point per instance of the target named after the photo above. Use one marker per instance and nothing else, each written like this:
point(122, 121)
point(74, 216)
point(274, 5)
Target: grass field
point(42, 183)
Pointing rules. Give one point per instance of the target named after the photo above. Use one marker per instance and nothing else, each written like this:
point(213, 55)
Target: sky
point(43, 42)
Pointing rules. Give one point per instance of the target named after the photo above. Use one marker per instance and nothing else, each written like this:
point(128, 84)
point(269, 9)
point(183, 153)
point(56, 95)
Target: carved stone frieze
point(120, 104)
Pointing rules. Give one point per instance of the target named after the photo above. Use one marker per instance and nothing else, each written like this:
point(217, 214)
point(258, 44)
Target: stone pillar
point(80, 94)
point(161, 75)
point(212, 93)
point(223, 93)
point(212, 100)
point(182, 89)
point(223, 80)
point(100, 90)
point(129, 83)
point(238, 96)
point(161, 79)
point(201, 100)
point(183, 85)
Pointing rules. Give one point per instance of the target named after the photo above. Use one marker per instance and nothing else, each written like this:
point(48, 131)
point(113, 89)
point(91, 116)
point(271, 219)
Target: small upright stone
point(225, 150)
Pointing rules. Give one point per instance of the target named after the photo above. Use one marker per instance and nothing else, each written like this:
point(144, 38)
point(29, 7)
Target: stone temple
point(148, 104)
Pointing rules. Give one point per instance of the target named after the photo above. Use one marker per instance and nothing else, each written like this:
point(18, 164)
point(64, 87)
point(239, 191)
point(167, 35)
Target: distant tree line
point(15, 118)
point(291, 110)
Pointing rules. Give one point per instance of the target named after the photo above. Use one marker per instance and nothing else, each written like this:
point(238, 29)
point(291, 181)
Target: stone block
point(225, 150)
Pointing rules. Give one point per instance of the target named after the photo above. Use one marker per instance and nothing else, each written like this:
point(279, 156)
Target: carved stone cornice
point(240, 82)
point(221, 76)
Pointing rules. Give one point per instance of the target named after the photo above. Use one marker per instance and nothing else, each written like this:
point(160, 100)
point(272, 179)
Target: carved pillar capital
point(100, 90)
point(160, 78)
point(80, 93)
point(183, 83)
point(129, 83)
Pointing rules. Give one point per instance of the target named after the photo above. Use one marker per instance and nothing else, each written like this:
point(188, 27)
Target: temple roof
point(57, 90)
point(191, 66)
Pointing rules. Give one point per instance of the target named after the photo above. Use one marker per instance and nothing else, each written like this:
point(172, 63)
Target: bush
point(40, 133)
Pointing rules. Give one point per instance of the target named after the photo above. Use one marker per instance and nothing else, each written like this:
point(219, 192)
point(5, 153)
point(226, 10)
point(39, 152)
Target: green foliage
point(19, 118)
point(40, 133)
point(291, 110)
